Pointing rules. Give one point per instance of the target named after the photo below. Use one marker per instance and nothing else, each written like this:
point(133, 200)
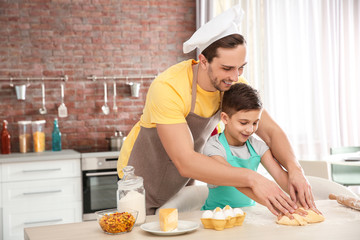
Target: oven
point(99, 182)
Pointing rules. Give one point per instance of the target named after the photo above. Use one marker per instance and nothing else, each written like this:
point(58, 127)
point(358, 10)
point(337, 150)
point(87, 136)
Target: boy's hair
point(239, 97)
point(230, 41)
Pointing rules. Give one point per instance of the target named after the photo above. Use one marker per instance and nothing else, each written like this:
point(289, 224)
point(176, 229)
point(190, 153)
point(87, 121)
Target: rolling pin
point(346, 201)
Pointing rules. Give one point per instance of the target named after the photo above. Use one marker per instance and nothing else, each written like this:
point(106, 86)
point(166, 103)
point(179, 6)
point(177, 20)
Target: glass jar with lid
point(131, 194)
point(38, 131)
point(24, 136)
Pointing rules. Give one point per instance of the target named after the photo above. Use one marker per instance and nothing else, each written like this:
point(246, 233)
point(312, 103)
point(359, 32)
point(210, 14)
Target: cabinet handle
point(51, 191)
point(42, 170)
point(44, 221)
point(101, 174)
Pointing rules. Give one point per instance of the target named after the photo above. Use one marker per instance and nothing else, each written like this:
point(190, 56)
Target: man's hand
point(270, 195)
point(300, 190)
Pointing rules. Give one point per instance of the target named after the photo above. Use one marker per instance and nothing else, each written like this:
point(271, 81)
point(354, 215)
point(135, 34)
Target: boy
point(241, 112)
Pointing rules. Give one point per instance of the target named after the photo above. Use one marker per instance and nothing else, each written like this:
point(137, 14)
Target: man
point(181, 111)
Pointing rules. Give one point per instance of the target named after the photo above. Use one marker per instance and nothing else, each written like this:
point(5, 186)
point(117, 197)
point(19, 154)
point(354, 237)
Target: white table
point(341, 159)
point(341, 223)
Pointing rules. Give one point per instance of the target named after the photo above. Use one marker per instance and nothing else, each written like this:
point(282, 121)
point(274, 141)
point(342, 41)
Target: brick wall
point(79, 38)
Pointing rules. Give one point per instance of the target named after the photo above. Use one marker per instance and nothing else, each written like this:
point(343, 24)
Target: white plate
point(183, 227)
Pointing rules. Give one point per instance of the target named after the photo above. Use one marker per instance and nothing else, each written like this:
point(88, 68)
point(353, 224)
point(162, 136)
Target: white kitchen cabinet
point(33, 193)
point(18, 218)
point(23, 171)
point(37, 193)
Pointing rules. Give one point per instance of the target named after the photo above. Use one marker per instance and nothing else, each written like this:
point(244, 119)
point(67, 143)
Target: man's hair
point(239, 97)
point(230, 41)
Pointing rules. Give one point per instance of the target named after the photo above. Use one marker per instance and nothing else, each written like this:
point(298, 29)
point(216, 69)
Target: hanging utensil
point(135, 89)
point(43, 110)
point(105, 107)
point(115, 108)
point(20, 89)
point(62, 109)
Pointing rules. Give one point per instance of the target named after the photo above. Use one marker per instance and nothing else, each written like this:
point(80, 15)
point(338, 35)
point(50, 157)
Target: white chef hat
point(223, 25)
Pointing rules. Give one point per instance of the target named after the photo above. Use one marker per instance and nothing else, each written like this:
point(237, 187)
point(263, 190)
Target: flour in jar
point(136, 201)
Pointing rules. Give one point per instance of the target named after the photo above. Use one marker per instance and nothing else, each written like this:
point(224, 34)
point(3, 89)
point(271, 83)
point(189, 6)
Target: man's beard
point(214, 81)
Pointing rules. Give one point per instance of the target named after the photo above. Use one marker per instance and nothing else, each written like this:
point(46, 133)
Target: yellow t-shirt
point(168, 101)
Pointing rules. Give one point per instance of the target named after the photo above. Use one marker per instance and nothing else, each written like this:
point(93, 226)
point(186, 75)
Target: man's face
point(225, 69)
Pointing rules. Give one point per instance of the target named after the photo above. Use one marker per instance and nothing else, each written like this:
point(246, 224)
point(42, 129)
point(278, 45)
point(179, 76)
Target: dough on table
point(311, 217)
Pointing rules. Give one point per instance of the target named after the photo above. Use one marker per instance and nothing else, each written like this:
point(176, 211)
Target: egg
point(238, 211)
point(228, 211)
point(207, 214)
point(218, 214)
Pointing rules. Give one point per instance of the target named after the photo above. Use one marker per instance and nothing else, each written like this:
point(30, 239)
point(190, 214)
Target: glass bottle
point(5, 139)
point(56, 137)
point(131, 194)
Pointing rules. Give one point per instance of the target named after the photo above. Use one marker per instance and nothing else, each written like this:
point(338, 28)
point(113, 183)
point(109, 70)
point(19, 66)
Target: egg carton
point(221, 224)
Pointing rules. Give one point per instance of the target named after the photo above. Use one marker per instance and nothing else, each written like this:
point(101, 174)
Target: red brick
point(82, 38)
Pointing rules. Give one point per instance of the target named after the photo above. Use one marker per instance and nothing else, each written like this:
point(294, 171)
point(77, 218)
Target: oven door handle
point(101, 174)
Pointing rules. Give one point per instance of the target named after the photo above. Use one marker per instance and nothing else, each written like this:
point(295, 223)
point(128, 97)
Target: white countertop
point(54, 155)
point(340, 223)
point(41, 156)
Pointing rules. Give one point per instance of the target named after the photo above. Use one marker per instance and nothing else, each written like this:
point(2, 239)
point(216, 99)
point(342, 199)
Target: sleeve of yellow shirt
point(166, 104)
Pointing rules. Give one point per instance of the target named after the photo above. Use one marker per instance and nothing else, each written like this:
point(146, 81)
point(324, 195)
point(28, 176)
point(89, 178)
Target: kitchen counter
point(340, 223)
point(40, 156)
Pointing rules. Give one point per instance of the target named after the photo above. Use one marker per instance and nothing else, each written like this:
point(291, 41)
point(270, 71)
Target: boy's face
point(240, 126)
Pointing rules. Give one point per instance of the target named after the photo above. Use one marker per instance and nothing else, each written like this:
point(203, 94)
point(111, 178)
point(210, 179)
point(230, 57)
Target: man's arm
point(276, 139)
point(178, 143)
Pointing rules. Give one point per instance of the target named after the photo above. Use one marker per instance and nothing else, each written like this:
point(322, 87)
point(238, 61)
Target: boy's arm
point(275, 170)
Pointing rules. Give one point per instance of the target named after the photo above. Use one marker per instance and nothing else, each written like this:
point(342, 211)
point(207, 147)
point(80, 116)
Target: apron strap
point(225, 143)
point(251, 149)
point(193, 89)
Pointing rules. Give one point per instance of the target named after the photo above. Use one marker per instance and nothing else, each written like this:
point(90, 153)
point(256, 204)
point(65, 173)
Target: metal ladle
point(105, 107)
point(43, 110)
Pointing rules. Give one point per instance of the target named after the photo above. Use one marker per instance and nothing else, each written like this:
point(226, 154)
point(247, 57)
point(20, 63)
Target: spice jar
point(38, 128)
point(24, 136)
point(131, 194)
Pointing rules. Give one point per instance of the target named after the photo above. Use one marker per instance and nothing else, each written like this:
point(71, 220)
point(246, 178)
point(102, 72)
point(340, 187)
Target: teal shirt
point(226, 195)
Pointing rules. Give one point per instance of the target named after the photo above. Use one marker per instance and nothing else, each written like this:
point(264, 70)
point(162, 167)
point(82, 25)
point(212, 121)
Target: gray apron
point(161, 178)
